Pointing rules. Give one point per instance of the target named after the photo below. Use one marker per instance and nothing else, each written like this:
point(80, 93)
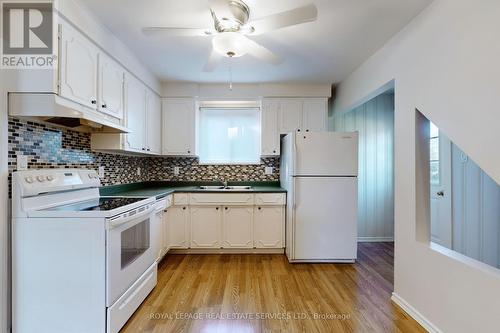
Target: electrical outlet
point(101, 172)
point(138, 171)
point(177, 170)
point(268, 170)
point(22, 162)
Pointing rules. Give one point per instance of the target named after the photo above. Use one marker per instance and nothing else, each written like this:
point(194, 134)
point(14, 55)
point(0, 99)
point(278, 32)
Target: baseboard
point(227, 251)
point(412, 312)
point(375, 239)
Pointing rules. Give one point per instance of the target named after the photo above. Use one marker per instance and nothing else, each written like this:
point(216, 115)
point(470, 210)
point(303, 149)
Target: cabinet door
point(111, 96)
point(178, 227)
point(205, 227)
point(315, 114)
point(136, 114)
point(165, 245)
point(290, 115)
point(178, 126)
point(153, 132)
point(270, 145)
point(269, 227)
point(237, 229)
point(78, 68)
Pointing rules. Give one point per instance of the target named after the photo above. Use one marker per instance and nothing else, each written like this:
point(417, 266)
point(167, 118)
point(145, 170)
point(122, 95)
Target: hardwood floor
point(264, 293)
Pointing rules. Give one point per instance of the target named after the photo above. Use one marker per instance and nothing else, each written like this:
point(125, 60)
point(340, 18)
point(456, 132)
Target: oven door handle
point(119, 221)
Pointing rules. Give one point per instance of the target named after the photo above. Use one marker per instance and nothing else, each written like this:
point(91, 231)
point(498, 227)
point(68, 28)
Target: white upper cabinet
point(179, 126)
point(153, 131)
point(78, 68)
point(270, 139)
point(315, 114)
point(135, 114)
point(111, 90)
point(290, 115)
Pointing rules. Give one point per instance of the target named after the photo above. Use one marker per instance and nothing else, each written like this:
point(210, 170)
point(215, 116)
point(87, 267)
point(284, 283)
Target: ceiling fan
point(232, 25)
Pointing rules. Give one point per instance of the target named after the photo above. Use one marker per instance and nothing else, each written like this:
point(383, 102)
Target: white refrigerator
point(319, 171)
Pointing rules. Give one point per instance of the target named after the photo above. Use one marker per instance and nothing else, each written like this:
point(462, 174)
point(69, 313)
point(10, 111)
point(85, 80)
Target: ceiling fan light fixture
point(230, 44)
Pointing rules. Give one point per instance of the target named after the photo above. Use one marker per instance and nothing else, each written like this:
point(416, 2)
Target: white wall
point(476, 210)
point(445, 63)
point(374, 120)
point(244, 90)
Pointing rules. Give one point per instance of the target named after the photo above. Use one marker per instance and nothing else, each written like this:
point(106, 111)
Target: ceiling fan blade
point(260, 52)
point(213, 61)
point(295, 16)
point(173, 31)
point(220, 7)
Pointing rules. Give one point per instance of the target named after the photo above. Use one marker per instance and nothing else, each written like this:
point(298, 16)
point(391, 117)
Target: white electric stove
point(81, 262)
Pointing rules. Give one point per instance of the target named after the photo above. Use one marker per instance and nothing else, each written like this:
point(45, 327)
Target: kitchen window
point(229, 135)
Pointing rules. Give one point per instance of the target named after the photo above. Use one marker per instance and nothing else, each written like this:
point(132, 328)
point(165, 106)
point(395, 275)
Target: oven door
point(129, 250)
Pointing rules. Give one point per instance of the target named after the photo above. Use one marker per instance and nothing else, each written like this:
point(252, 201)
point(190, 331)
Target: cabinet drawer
point(226, 199)
point(274, 199)
point(181, 199)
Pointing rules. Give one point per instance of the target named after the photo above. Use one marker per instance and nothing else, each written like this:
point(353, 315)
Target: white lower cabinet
point(178, 227)
point(237, 227)
point(205, 227)
point(269, 227)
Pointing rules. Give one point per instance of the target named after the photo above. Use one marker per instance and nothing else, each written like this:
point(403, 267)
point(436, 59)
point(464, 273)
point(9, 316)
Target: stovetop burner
point(101, 204)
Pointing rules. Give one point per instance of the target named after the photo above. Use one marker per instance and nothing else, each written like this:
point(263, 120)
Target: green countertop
point(161, 189)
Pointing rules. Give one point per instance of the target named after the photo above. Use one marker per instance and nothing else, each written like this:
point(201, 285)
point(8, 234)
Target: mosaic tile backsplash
point(51, 147)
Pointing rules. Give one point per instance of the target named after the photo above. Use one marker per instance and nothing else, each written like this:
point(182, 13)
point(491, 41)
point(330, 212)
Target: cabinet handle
point(93, 101)
point(259, 208)
point(149, 149)
point(104, 106)
point(226, 208)
point(189, 151)
point(274, 151)
point(298, 130)
point(183, 208)
point(307, 130)
point(143, 148)
point(216, 208)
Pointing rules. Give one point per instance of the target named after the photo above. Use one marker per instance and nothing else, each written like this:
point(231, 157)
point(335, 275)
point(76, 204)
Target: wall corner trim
point(412, 312)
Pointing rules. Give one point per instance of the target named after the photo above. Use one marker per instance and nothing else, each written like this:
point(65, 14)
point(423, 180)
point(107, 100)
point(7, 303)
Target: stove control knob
point(29, 180)
point(50, 178)
point(41, 179)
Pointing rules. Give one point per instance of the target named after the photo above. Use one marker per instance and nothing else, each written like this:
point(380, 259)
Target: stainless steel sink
point(225, 188)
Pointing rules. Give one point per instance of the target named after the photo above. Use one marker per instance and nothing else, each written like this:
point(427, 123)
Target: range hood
point(59, 111)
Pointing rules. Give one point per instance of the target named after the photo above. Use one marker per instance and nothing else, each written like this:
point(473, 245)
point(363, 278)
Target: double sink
point(225, 188)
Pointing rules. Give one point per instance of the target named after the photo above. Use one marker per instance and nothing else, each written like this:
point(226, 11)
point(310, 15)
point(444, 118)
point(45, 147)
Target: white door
point(178, 126)
point(440, 164)
point(205, 227)
point(270, 142)
point(136, 114)
point(111, 87)
point(290, 115)
point(315, 113)
point(237, 228)
point(78, 68)
point(178, 223)
point(269, 225)
point(153, 132)
point(325, 218)
point(326, 154)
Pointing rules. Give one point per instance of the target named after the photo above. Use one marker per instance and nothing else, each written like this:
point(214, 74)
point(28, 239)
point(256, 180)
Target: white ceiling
point(346, 33)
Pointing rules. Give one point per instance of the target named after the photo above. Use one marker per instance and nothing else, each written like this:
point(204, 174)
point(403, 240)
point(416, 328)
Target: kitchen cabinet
point(270, 139)
point(111, 87)
point(290, 115)
point(205, 227)
point(269, 226)
point(237, 227)
point(315, 114)
point(165, 241)
point(178, 227)
point(136, 114)
point(153, 119)
point(179, 127)
point(78, 68)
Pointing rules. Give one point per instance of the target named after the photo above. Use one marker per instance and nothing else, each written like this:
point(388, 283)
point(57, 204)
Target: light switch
point(22, 162)
point(269, 170)
point(177, 170)
point(101, 172)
